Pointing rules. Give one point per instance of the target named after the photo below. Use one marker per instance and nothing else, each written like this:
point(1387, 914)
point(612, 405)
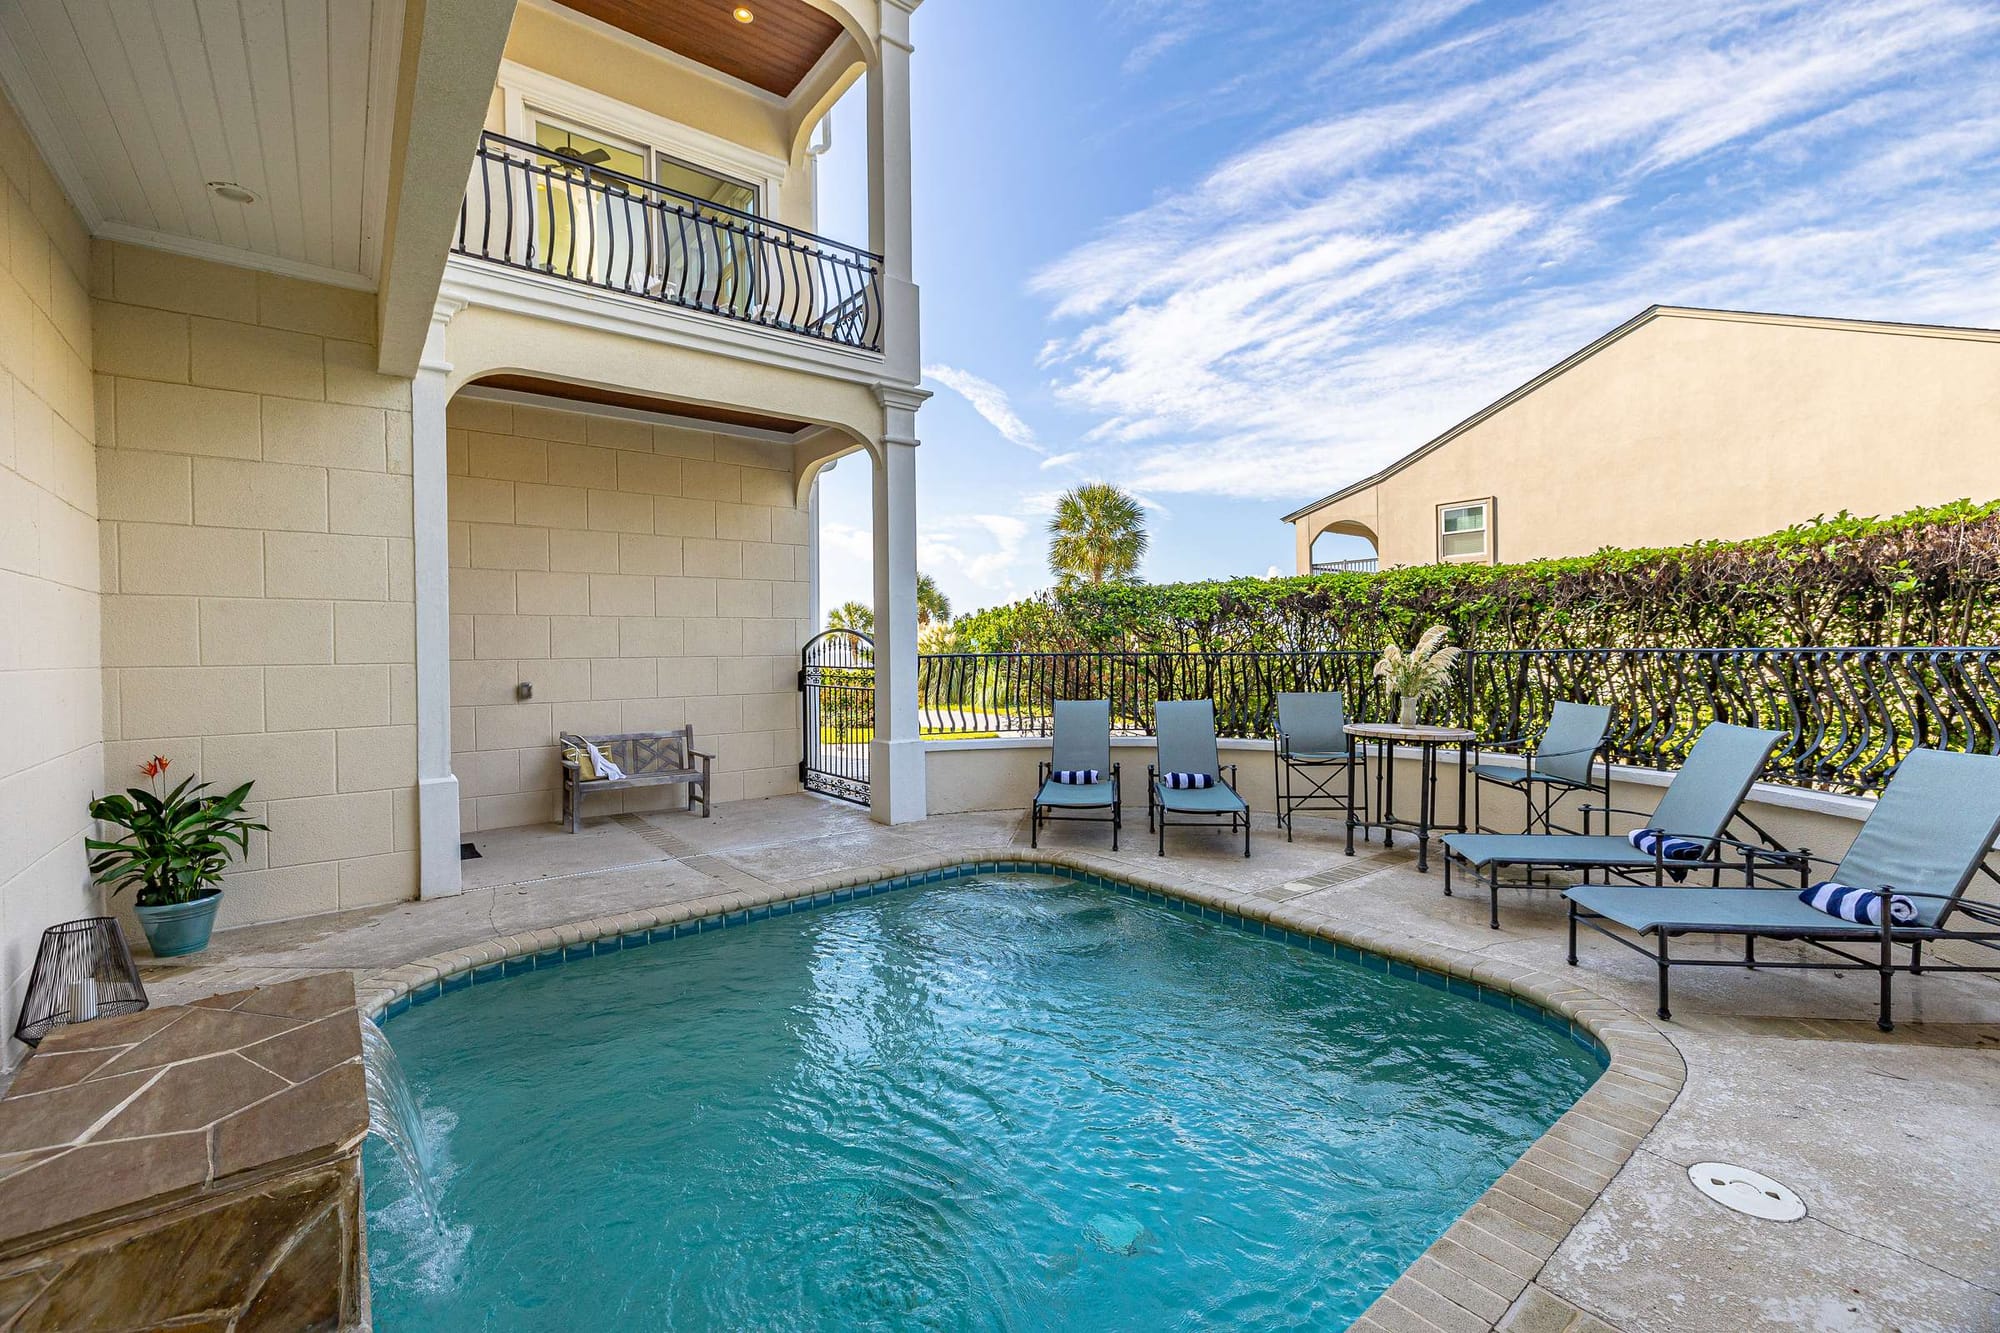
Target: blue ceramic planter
point(180, 928)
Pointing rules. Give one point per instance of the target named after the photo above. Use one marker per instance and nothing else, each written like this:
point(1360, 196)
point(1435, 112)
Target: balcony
point(1361, 565)
point(543, 213)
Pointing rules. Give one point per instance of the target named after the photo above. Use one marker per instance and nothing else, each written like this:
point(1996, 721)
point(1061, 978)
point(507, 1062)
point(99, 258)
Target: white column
point(437, 788)
point(896, 756)
point(889, 224)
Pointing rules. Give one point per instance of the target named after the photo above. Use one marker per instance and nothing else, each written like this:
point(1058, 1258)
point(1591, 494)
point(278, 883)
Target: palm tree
point(933, 607)
point(857, 616)
point(1097, 535)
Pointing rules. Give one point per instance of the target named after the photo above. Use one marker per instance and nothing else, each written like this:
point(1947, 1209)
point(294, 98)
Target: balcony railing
point(1366, 564)
point(531, 209)
point(1849, 714)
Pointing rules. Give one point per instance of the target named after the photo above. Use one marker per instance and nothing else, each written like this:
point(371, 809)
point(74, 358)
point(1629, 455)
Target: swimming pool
point(1009, 1101)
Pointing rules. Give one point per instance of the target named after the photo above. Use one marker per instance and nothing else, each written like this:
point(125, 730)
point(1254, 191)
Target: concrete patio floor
point(1887, 1137)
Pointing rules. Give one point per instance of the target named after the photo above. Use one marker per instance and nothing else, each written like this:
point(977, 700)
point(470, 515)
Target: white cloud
point(1334, 294)
point(1059, 460)
point(990, 401)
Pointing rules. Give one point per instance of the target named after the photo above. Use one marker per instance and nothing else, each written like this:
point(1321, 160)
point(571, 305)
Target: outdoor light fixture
point(742, 14)
point(231, 191)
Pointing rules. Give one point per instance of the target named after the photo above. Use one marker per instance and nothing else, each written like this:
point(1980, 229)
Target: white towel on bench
point(605, 768)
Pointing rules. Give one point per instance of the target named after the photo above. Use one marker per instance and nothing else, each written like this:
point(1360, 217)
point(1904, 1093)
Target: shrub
point(1929, 576)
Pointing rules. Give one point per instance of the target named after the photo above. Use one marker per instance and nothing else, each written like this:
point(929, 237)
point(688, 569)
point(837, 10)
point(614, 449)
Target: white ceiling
point(137, 104)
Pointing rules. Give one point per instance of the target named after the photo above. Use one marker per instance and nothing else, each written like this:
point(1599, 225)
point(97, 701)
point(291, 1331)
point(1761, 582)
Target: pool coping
point(1467, 1279)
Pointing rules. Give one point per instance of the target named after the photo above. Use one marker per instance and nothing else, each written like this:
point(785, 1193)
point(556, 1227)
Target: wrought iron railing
point(529, 208)
point(1850, 714)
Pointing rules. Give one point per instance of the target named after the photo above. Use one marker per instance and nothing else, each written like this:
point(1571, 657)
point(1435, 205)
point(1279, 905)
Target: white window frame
point(527, 94)
point(1485, 553)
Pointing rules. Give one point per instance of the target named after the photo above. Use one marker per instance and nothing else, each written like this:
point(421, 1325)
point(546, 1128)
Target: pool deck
point(1888, 1138)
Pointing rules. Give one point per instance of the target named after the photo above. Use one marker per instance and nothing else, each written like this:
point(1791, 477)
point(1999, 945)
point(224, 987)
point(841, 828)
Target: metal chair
point(1310, 746)
point(1565, 762)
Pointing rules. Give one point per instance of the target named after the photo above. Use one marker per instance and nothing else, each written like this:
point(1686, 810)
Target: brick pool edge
point(1470, 1276)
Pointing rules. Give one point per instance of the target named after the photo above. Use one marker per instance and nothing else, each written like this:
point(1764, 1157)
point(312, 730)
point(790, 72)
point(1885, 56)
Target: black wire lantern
point(94, 951)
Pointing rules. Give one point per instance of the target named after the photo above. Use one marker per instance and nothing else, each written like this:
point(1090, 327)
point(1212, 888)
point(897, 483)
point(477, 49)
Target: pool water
point(1009, 1102)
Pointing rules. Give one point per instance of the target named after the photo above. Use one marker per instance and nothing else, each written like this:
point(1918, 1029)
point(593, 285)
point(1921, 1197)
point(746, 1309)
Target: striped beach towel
point(1183, 781)
point(1861, 906)
point(1668, 847)
point(1076, 777)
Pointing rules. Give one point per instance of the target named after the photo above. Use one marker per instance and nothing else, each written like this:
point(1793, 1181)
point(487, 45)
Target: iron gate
point(837, 697)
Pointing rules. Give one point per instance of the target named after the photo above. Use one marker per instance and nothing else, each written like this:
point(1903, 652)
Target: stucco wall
point(1697, 427)
point(641, 577)
point(52, 760)
point(254, 478)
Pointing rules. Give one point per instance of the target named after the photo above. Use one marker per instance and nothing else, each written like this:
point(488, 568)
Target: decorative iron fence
point(533, 209)
point(1851, 713)
point(837, 713)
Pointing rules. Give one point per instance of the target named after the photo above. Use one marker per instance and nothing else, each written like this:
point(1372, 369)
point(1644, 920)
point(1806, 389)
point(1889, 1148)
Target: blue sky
point(1233, 257)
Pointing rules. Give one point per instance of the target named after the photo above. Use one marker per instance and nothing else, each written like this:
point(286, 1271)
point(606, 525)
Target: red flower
point(155, 766)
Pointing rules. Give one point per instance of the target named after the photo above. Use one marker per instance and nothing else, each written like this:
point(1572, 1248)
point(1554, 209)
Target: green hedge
point(1930, 576)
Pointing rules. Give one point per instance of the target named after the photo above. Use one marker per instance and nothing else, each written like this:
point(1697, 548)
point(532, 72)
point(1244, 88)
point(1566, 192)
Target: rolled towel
point(1077, 777)
point(1182, 781)
point(1668, 846)
point(1862, 906)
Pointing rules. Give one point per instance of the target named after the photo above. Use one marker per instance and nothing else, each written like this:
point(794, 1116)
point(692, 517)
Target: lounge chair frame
point(1156, 809)
point(1317, 772)
point(1760, 863)
point(1886, 938)
point(1156, 797)
point(1040, 812)
point(1782, 860)
point(1945, 857)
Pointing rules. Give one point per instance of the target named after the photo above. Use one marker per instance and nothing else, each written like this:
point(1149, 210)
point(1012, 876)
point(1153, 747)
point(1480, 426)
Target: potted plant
point(1420, 674)
point(175, 848)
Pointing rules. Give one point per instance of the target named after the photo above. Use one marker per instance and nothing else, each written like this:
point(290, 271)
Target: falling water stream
point(393, 1117)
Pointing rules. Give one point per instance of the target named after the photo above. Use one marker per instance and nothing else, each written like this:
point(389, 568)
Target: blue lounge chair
point(1925, 839)
point(1082, 742)
point(1699, 804)
point(1186, 734)
point(1566, 762)
point(1310, 744)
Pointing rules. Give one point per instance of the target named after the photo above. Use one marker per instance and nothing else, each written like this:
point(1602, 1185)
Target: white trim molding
point(561, 301)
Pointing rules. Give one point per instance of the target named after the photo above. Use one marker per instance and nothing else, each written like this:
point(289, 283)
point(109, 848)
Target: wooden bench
point(648, 758)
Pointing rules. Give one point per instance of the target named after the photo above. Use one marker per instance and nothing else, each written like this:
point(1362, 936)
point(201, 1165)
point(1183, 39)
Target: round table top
point(1417, 735)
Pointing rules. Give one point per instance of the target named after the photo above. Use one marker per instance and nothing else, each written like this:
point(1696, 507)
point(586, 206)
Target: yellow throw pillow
point(586, 769)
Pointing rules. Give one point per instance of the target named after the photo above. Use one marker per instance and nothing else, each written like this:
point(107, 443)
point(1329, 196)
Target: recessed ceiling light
point(742, 14)
point(231, 191)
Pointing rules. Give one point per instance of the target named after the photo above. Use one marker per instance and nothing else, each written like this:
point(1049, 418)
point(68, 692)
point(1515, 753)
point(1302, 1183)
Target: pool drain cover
point(1747, 1191)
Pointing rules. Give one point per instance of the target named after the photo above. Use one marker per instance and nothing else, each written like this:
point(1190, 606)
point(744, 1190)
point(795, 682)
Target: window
point(1464, 530)
point(597, 230)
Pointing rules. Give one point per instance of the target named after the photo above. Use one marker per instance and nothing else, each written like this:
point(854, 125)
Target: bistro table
point(1386, 736)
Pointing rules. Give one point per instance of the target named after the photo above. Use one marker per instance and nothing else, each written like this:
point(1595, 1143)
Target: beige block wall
point(52, 761)
point(258, 618)
point(641, 577)
point(1697, 427)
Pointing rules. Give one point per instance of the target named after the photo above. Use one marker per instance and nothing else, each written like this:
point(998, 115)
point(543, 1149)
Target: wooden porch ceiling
point(640, 402)
point(774, 51)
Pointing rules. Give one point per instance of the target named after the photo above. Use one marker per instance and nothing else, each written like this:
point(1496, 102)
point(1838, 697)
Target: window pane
point(1466, 518)
point(706, 185)
point(1464, 543)
point(585, 228)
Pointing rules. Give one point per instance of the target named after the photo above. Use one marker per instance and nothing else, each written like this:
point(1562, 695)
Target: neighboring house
point(364, 371)
point(1681, 425)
